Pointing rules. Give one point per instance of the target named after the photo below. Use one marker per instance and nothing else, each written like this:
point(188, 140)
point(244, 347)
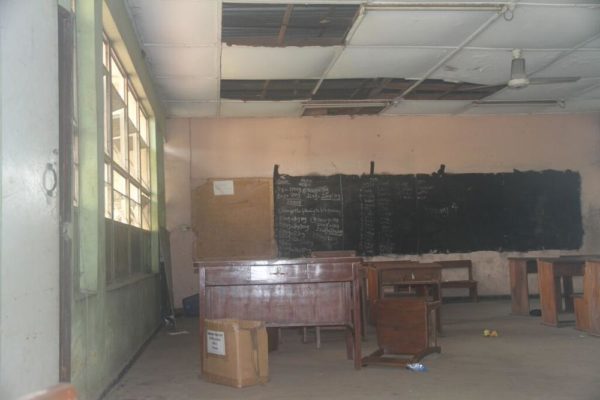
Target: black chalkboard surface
point(414, 214)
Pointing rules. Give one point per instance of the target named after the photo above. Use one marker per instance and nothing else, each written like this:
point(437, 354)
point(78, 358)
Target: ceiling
point(431, 41)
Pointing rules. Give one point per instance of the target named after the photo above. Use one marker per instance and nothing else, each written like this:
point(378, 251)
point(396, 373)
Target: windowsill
point(84, 295)
point(130, 281)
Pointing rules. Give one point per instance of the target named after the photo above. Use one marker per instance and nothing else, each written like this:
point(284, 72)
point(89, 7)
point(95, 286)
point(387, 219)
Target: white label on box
point(223, 188)
point(215, 342)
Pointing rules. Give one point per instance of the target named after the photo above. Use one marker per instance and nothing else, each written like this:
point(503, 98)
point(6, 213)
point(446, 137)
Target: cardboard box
point(235, 352)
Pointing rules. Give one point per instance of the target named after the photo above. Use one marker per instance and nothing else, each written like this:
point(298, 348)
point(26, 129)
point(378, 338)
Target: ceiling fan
point(519, 80)
point(518, 75)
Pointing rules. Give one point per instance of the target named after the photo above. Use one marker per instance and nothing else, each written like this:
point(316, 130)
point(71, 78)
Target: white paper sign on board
point(223, 188)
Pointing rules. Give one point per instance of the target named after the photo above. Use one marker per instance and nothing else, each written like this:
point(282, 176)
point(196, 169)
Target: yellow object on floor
point(489, 333)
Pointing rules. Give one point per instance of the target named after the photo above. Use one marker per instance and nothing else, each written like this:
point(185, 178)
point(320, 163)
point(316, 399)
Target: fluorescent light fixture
point(437, 6)
point(559, 103)
point(344, 104)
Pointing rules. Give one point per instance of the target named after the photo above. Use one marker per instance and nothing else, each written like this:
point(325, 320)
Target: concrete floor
point(527, 361)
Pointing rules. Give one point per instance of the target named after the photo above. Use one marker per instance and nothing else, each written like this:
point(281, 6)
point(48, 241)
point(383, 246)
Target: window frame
point(133, 174)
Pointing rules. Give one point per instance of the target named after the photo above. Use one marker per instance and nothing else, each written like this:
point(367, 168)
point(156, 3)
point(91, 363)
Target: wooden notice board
point(233, 218)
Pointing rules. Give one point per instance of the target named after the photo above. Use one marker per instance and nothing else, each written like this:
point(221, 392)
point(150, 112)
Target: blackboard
point(438, 213)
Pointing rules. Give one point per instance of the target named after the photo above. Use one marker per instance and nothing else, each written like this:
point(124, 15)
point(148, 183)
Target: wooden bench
point(468, 283)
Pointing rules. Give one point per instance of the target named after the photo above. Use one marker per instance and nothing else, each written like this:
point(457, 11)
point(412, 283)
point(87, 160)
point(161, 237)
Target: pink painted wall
point(197, 149)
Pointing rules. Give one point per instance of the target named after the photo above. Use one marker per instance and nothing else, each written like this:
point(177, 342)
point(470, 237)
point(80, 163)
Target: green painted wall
point(109, 324)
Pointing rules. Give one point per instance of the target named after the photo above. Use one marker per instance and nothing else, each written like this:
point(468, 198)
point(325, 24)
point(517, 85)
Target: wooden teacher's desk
point(285, 293)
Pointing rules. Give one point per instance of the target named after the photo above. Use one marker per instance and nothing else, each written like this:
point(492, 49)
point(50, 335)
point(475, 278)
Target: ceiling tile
point(365, 62)
point(417, 28)
point(177, 88)
point(242, 62)
point(537, 27)
point(176, 22)
point(489, 67)
point(188, 109)
point(202, 62)
point(583, 63)
point(554, 91)
point(406, 107)
point(231, 108)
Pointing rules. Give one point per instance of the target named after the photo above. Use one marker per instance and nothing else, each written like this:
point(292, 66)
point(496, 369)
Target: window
point(127, 176)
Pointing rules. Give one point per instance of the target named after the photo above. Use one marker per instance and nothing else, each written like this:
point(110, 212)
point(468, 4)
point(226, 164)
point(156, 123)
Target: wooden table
point(285, 293)
point(551, 272)
point(398, 274)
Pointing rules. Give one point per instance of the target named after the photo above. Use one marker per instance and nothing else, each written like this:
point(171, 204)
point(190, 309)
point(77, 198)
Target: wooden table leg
point(519, 287)
point(357, 323)
point(568, 293)
point(438, 311)
point(202, 314)
point(349, 344)
point(363, 310)
point(591, 291)
point(549, 298)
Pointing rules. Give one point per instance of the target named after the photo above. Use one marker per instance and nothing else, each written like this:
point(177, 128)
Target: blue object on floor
point(190, 306)
point(417, 367)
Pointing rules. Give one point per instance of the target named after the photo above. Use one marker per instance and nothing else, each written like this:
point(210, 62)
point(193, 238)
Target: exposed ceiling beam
point(263, 93)
point(284, 24)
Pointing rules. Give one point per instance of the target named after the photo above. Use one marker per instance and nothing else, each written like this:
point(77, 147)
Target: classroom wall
point(197, 149)
point(111, 321)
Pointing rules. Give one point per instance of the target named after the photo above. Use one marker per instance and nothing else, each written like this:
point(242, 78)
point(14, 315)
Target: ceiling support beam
point(284, 24)
point(263, 93)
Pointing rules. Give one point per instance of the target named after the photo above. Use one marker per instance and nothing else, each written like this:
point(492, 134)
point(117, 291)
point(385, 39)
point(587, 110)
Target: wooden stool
point(406, 331)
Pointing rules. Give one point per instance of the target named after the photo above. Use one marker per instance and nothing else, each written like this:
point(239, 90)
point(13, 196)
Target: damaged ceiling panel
point(267, 89)
point(286, 24)
point(353, 89)
point(347, 57)
point(235, 108)
point(357, 89)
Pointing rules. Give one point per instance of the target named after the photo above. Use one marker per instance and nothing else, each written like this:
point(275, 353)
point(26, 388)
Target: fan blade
point(479, 87)
point(546, 81)
point(515, 102)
